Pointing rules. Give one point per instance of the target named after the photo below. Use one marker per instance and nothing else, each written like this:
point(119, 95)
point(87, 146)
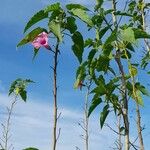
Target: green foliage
point(138, 33)
point(145, 60)
point(127, 35)
point(70, 25)
point(78, 46)
point(82, 14)
point(107, 47)
point(98, 4)
point(102, 63)
point(52, 7)
point(95, 102)
point(103, 115)
point(31, 36)
point(55, 27)
point(139, 89)
point(103, 31)
point(18, 87)
point(36, 18)
point(76, 6)
point(35, 53)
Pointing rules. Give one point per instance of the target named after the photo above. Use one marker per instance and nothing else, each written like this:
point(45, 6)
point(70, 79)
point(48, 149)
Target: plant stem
point(139, 127)
point(124, 93)
point(86, 106)
point(125, 101)
point(55, 107)
point(119, 138)
point(6, 127)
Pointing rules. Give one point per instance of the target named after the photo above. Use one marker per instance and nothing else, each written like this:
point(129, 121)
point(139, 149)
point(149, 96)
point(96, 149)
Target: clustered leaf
point(78, 46)
point(18, 87)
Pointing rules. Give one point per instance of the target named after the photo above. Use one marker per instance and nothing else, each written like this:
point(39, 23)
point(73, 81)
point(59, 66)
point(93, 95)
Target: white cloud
point(32, 126)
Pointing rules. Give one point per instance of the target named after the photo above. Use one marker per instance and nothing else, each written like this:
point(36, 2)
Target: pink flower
point(41, 40)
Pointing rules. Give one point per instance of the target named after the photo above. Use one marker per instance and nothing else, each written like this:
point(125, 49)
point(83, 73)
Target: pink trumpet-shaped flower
point(41, 40)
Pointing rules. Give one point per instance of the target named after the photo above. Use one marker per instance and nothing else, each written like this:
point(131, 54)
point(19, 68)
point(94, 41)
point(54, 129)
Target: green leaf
point(71, 26)
point(31, 148)
point(35, 53)
point(103, 31)
point(23, 95)
point(36, 18)
point(88, 42)
point(78, 46)
point(98, 20)
point(76, 84)
point(127, 35)
point(18, 87)
point(91, 54)
point(123, 14)
point(80, 73)
point(145, 60)
point(142, 89)
point(133, 71)
point(31, 36)
point(81, 14)
point(107, 47)
point(102, 63)
point(138, 33)
point(101, 90)
point(129, 46)
point(53, 7)
point(55, 27)
point(104, 115)
point(98, 4)
point(95, 102)
point(76, 6)
point(139, 98)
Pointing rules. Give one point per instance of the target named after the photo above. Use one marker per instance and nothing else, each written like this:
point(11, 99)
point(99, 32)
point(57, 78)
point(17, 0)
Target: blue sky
point(32, 121)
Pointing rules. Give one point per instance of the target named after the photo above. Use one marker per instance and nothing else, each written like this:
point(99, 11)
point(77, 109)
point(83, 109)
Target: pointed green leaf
point(31, 36)
point(104, 115)
point(129, 46)
point(140, 34)
point(98, 4)
point(71, 26)
point(88, 42)
point(76, 6)
point(95, 102)
point(81, 14)
point(107, 47)
point(103, 31)
point(35, 53)
point(142, 89)
point(55, 27)
point(36, 18)
point(78, 46)
point(91, 54)
point(53, 7)
point(103, 63)
point(23, 95)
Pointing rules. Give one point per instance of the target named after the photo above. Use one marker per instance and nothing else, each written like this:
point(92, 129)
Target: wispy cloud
point(32, 126)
